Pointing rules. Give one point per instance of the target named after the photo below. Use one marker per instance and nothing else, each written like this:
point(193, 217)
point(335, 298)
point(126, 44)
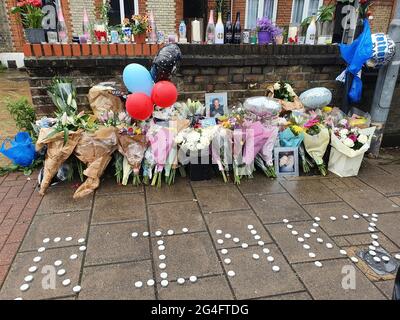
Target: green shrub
point(23, 114)
point(2, 68)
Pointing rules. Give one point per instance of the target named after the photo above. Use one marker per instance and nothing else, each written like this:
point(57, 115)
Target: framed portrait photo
point(216, 104)
point(286, 161)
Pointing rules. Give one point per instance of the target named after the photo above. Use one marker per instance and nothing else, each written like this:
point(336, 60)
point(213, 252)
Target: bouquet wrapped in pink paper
point(264, 159)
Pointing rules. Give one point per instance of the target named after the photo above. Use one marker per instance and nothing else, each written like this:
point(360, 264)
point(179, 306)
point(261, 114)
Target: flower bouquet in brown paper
point(95, 150)
point(102, 99)
point(132, 144)
point(285, 94)
point(58, 151)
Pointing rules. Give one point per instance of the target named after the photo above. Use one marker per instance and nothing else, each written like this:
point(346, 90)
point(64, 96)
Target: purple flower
point(265, 24)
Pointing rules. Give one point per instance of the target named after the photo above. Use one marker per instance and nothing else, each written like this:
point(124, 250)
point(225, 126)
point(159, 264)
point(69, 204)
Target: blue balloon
point(138, 79)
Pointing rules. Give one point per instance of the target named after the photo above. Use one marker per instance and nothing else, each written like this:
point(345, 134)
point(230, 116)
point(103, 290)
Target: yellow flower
point(297, 129)
point(327, 109)
point(138, 131)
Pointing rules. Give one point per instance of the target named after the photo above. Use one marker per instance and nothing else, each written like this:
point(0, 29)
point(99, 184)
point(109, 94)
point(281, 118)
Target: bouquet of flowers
point(132, 144)
point(95, 150)
point(348, 147)
point(31, 13)
point(221, 148)
point(316, 140)
point(264, 159)
point(284, 92)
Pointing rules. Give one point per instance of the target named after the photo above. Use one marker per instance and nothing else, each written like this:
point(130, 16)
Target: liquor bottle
point(210, 31)
point(86, 25)
point(228, 29)
point(311, 32)
point(237, 30)
point(61, 26)
point(219, 30)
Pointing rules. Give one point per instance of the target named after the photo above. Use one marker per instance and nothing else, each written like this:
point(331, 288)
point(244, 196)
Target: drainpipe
point(385, 86)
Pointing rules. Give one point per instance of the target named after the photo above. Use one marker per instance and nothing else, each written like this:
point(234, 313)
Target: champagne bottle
point(219, 30)
point(311, 32)
point(61, 26)
point(237, 30)
point(86, 25)
point(228, 29)
point(210, 31)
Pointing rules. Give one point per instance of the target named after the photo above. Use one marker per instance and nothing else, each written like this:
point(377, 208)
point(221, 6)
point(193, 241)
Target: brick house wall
point(168, 14)
point(5, 32)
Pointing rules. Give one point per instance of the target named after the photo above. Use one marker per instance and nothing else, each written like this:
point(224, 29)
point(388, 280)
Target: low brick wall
point(241, 70)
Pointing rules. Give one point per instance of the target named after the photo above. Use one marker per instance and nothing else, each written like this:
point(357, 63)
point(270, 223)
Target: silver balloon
point(316, 98)
point(263, 106)
point(383, 50)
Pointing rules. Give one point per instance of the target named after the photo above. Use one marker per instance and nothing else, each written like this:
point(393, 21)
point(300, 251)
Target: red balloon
point(139, 106)
point(164, 94)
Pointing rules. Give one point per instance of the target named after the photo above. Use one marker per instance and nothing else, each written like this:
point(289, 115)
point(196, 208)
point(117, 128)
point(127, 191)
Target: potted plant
point(325, 23)
point(267, 31)
point(31, 15)
point(140, 27)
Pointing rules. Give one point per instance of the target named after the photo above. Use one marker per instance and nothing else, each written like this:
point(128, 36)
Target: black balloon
point(166, 63)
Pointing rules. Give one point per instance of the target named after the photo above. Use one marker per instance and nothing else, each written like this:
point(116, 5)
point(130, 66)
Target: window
point(256, 9)
point(121, 9)
point(302, 9)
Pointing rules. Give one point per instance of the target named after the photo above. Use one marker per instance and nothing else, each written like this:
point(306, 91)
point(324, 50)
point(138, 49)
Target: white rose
point(179, 139)
point(343, 122)
point(277, 86)
point(362, 138)
point(344, 132)
point(348, 143)
point(204, 140)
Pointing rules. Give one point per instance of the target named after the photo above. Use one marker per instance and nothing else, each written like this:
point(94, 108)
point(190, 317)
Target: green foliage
point(2, 68)
point(31, 15)
point(326, 13)
point(26, 170)
point(23, 114)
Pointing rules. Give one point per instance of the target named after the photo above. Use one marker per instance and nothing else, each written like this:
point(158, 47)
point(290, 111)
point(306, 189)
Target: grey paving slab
point(213, 182)
point(186, 255)
point(255, 278)
point(294, 250)
point(387, 184)
point(326, 282)
point(369, 170)
point(109, 186)
point(113, 243)
point(119, 207)
point(208, 288)
point(59, 199)
point(365, 239)
point(180, 191)
point(175, 216)
point(275, 207)
point(46, 273)
point(309, 191)
point(221, 198)
point(340, 226)
point(236, 224)
point(391, 168)
point(117, 282)
point(386, 287)
point(367, 200)
point(290, 296)
point(52, 226)
point(345, 184)
point(389, 224)
point(260, 184)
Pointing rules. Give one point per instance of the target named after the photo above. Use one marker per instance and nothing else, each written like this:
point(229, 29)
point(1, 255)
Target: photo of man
point(216, 108)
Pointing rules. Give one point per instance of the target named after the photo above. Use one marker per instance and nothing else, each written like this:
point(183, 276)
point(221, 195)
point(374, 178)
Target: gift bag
point(316, 145)
point(21, 150)
point(95, 150)
point(344, 161)
point(57, 152)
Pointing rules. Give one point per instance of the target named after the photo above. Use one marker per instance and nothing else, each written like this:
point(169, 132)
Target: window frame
point(305, 9)
point(122, 8)
point(260, 11)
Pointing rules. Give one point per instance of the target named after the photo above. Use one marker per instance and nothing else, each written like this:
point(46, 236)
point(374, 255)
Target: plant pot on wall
point(140, 38)
point(35, 35)
point(264, 37)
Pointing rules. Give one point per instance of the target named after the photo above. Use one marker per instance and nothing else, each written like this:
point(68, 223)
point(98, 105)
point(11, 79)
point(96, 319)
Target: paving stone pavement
point(236, 244)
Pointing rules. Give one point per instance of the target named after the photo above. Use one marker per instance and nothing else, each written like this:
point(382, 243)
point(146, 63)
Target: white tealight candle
point(196, 37)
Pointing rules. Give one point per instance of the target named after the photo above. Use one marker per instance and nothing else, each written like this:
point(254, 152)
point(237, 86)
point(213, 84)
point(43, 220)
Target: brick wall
point(5, 33)
point(382, 13)
point(17, 33)
point(76, 9)
point(164, 14)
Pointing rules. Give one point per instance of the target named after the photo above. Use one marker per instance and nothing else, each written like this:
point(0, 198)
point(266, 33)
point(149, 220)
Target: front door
point(195, 10)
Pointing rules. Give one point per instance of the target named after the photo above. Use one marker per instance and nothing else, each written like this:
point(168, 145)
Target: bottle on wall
point(182, 30)
point(311, 32)
point(210, 31)
point(86, 25)
point(61, 26)
point(228, 29)
point(219, 30)
point(237, 30)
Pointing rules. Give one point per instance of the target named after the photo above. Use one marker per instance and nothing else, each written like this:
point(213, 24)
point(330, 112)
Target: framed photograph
point(286, 161)
point(216, 104)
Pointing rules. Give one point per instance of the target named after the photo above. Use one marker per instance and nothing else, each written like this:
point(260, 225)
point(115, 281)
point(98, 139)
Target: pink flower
point(310, 123)
point(353, 137)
